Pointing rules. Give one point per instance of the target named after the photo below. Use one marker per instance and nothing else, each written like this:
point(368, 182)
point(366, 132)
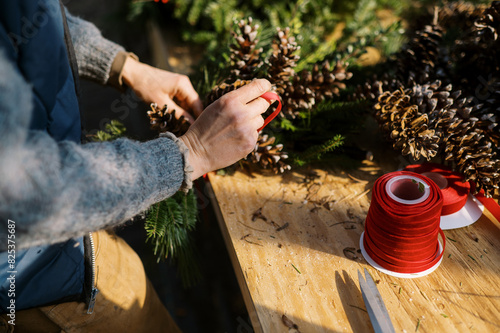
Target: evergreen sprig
point(169, 224)
point(316, 152)
point(112, 130)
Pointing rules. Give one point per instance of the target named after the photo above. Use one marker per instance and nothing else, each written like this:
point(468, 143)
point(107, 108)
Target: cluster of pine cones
point(444, 100)
point(298, 91)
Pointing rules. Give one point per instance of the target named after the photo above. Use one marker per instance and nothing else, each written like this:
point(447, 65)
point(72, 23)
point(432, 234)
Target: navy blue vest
point(32, 36)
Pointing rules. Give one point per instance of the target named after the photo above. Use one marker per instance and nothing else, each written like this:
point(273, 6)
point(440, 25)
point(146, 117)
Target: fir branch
point(168, 225)
point(287, 125)
point(316, 152)
point(112, 130)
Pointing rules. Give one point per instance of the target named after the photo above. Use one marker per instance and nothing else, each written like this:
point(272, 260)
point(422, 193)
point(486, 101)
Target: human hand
point(227, 130)
point(155, 85)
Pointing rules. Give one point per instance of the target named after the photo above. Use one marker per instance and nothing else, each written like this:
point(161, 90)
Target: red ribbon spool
point(455, 190)
point(402, 225)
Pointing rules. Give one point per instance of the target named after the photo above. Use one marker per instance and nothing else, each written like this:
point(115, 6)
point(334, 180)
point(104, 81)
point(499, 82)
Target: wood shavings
point(350, 253)
point(315, 209)
point(288, 323)
point(250, 226)
point(359, 196)
point(348, 227)
point(258, 215)
point(312, 190)
point(284, 226)
point(356, 179)
point(473, 236)
point(245, 238)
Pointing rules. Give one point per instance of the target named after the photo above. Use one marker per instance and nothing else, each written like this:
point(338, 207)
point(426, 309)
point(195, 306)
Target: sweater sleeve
point(54, 191)
point(94, 53)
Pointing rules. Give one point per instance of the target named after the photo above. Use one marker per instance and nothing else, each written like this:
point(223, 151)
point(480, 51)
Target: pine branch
point(112, 131)
point(316, 152)
point(168, 226)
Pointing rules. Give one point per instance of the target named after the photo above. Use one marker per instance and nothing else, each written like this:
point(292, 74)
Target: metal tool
point(375, 306)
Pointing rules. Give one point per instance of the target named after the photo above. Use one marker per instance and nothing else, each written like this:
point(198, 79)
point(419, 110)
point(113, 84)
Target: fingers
point(254, 89)
point(260, 104)
point(186, 93)
point(258, 123)
point(179, 111)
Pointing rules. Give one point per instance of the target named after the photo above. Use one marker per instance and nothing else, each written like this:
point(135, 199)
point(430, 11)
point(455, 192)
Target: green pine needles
point(316, 152)
point(168, 226)
point(113, 130)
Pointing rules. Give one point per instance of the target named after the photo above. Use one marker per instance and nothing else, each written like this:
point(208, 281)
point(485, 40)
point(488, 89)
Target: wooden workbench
point(294, 243)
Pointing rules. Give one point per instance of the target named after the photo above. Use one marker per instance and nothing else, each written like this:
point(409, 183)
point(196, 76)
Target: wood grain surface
point(294, 244)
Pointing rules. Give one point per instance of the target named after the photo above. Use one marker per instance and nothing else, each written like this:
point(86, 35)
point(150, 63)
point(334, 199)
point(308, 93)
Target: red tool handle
point(269, 96)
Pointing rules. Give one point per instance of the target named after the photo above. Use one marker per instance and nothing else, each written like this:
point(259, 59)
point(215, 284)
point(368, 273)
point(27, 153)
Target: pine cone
point(281, 64)
point(472, 142)
point(283, 59)
point(477, 55)
point(459, 15)
point(328, 82)
point(223, 88)
point(245, 57)
point(322, 83)
point(417, 61)
point(269, 155)
point(408, 128)
point(488, 25)
point(475, 159)
point(299, 94)
point(162, 120)
point(372, 89)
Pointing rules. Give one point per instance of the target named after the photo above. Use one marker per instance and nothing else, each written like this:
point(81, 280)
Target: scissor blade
point(377, 311)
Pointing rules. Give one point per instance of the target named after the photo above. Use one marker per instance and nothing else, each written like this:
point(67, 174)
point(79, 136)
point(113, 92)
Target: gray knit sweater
point(58, 190)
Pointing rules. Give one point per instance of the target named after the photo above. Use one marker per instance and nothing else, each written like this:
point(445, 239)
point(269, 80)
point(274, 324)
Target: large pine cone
point(327, 82)
point(472, 142)
point(405, 125)
point(418, 59)
point(281, 64)
point(245, 56)
point(375, 86)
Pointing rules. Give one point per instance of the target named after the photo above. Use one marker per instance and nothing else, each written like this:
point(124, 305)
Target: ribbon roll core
point(402, 189)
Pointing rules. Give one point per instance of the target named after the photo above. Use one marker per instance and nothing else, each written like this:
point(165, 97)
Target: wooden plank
point(299, 258)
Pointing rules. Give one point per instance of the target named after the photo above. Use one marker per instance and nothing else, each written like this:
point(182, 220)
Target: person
point(61, 270)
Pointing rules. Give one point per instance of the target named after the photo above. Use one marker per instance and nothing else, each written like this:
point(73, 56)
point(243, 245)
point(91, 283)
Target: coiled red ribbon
point(455, 190)
point(403, 237)
point(491, 205)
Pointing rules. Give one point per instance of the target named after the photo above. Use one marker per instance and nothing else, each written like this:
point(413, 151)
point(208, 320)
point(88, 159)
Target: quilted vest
point(32, 35)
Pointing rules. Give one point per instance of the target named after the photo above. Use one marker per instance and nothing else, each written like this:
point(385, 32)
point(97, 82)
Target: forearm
point(62, 190)
point(94, 53)
point(57, 190)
